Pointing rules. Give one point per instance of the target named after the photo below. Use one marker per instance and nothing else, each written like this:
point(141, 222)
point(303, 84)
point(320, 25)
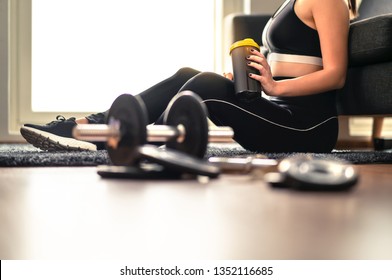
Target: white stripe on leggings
point(271, 122)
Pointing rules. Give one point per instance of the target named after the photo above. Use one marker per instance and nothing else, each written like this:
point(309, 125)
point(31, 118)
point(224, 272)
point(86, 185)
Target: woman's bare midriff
point(292, 69)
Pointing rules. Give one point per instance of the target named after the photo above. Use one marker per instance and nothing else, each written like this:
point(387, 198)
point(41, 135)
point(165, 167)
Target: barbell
point(185, 128)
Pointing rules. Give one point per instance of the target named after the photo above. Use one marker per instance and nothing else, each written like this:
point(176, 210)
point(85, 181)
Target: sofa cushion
point(370, 40)
point(367, 91)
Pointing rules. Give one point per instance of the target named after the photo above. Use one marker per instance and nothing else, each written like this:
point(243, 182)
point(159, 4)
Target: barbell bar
point(155, 133)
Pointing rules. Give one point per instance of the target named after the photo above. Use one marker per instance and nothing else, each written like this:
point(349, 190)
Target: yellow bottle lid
point(248, 42)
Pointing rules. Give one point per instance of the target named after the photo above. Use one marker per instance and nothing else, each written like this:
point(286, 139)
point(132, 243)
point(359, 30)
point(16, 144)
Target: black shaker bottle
point(246, 88)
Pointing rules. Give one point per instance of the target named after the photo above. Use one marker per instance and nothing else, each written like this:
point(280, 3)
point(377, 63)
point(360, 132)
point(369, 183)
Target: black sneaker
point(55, 136)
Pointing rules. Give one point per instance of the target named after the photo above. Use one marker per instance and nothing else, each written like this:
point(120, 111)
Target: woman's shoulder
point(328, 9)
point(311, 10)
point(335, 5)
point(327, 5)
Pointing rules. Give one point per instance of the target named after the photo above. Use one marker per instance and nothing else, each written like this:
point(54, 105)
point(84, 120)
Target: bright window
point(87, 52)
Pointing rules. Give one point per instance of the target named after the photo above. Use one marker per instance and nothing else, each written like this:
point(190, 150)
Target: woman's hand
point(228, 76)
point(258, 61)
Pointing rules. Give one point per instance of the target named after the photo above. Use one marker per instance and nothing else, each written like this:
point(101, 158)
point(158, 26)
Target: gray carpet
point(25, 155)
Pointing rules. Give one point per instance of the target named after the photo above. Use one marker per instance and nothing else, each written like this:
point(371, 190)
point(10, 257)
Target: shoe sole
point(50, 142)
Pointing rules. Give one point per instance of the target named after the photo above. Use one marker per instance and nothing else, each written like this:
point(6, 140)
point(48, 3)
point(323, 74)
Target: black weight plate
point(140, 172)
point(187, 110)
point(178, 161)
point(317, 174)
point(128, 113)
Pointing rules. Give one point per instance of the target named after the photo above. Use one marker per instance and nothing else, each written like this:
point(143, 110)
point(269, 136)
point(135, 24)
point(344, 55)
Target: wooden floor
point(71, 213)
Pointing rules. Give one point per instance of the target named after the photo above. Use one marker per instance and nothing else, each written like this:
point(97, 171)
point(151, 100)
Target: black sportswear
point(285, 33)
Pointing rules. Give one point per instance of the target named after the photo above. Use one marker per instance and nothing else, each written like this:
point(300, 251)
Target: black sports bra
point(287, 38)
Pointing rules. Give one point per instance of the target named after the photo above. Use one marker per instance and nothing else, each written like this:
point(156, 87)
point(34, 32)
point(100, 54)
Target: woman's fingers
point(228, 76)
point(255, 65)
point(264, 76)
point(258, 58)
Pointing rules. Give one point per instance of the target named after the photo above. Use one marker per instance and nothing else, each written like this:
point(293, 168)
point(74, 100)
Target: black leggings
point(293, 125)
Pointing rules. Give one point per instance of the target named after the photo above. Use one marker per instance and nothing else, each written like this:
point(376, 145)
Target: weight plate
point(129, 115)
point(317, 174)
point(178, 161)
point(140, 172)
point(187, 111)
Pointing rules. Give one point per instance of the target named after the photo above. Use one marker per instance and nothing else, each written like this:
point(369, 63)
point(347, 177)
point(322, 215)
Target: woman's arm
point(331, 19)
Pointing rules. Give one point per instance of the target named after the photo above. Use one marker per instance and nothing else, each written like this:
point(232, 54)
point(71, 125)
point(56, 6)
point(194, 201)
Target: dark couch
point(368, 88)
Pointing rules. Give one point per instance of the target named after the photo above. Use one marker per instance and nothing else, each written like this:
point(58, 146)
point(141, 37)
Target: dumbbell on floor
point(186, 128)
point(297, 172)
